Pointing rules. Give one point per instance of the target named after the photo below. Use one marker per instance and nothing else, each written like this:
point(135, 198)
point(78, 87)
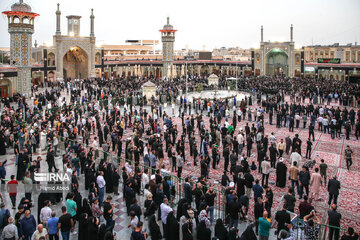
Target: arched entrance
point(75, 64)
point(276, 62)
point(204, 70)
point(51, 60)
point(5, 88)
point(37, 78)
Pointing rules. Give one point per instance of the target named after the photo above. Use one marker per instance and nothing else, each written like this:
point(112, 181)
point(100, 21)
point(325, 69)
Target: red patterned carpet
point(331, 150)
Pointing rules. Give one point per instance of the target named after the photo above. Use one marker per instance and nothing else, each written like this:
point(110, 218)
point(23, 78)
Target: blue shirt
point(52, 224)
point(258, 190)
point(152, 159)
point(28, 226)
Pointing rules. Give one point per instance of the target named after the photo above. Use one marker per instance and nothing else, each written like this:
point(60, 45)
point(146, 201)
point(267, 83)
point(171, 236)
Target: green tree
point(199, 87)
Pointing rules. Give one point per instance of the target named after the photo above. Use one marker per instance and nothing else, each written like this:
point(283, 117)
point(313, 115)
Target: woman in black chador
point(281, 170)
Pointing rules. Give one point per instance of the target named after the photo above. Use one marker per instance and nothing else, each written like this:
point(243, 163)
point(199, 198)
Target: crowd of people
point(112, 140)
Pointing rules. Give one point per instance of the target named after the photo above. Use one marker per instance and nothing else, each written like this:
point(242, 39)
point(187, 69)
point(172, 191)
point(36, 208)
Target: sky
point(201, 24)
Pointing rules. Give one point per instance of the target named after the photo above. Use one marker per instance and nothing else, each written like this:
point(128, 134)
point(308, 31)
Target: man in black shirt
point(65, 224)
point(334, 220)
point(269, 196)
point(115, 180)
point(136, 208)
point(350, 234)
point(311, 132)
point(308, 148)
point(333, 189)
point(137, 233)
point(108, 213)
point(258, 212)
point(282, 217)
point(19, 215)
point(209, 199)
point(226, 155)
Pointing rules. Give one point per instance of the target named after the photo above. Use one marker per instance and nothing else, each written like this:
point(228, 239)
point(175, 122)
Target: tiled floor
point(324, 147)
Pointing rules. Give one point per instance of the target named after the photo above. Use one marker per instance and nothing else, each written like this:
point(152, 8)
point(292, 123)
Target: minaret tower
point(21, 28)
point(58, 15)
point(168, 39)
point(92, 17)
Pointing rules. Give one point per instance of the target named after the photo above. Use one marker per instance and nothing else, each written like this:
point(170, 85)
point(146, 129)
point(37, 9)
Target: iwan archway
point(75, 64)
point(277, 63)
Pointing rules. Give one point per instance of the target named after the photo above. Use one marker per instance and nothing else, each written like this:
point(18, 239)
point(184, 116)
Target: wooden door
point(4, 90)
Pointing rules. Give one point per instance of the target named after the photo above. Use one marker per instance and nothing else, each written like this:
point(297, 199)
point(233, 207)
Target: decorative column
point(20, 44)
point(253, 63)
point(92, 70)
point(58, 14)
point(92, 17)
point(168, 39)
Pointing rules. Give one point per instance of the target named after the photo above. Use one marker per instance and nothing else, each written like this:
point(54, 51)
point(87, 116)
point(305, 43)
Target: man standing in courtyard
point(348, 156)
point(12, 189)
point(334, 220)
point(333, 189)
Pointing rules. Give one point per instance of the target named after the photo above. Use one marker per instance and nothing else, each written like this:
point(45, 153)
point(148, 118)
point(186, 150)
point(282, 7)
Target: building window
point(332, 54)
point(347, 56)
point(353, 56)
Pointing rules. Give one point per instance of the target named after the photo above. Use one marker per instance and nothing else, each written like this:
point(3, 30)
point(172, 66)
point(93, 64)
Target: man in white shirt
point(320, 121)
point(45, 213)
point(295, 157)
point(144, 179)
point(297, 118)
point(325, 123)
point(101, 186)
point(40, 232)
point(272, 138)
point(239, 114)
point(165, 210)
point(240, 138)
